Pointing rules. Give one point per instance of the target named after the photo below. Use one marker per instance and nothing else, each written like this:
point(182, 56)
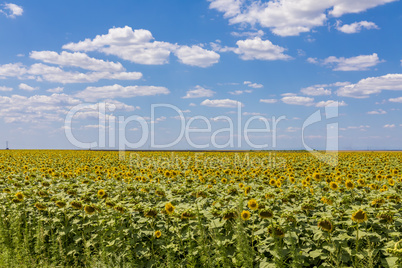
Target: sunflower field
point(189, 209)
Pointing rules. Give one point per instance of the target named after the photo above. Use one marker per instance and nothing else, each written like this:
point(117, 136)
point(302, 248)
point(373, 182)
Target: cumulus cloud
point(358, 63)
point(399, 99)
point(55, 90)
point(38, 108)
point(139, 46)
point(389, 126)
point(27, 87)
point(253, 85)
point(118, 91)
point(330, 103)
point(356, 27)
point(268, 100)
point(239, 92)
point(40, 71)
point(379, 111)
point(199, 92)
point(371, 85)
point(256, 49)
point(315, 91)
point(298, 100)
point(11, 10)
point(197, 56)
point(4, 88)
point(76, 59)
point(222, 103)
point(289, 17)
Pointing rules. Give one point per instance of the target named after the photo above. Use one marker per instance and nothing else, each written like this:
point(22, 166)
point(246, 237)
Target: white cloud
point(359, 63)
point(379, 111)
point(12, 70)
point(256, 49)
point(41, 71)
point(315, 91)
point(389, 126)
point(356, 27)
point(27, 87)
point(199, 92)
point(197, 56)
point(361, 128)
point(298, 100)
point(76, 59)
point(289, 17)
point(118, 91)
point(239, 92)
point(259, 33)
point(36, 108)
point(399, 99)
point(371, 85)
point(268, 100)
point(135, 46)
point(192, 104)
point(330, 103)
point(4, 88)
point(223, 103)
point(253, 85)
point(12, 10)
point(56, 90)
point(140, 47)
point(312, 60)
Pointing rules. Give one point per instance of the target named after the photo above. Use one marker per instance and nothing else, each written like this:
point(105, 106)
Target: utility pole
point(7, 146)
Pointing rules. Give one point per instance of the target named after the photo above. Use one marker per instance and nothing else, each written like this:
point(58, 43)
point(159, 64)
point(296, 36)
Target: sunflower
point(76, 205)
point(229, 215)
point(326, 225)
point(40, 206)
point(361, 182)
point(359, 216)
point(60, 204)
point(169, 208)
point(224, 180)
point(252, 204)
point(245, 215)
point(241, 185)
point(19, 196)
point(391, 182)
point(90, 209)
point(349, 184)
point(151, 213)
point(272, 182)
point(102, 193)
point(157, 234)
point(333, 185)
point(292, 179)
point(276, 231)
point(266, 214)
point(278, 184)
point(247, 190)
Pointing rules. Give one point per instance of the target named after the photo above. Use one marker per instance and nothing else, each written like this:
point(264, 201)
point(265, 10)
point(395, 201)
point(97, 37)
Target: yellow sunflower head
point(359, 216)
point(245, 215)
point(252, 204)
point(333, 185)
point(169, 208)
point(158, 234)
point(349, 184)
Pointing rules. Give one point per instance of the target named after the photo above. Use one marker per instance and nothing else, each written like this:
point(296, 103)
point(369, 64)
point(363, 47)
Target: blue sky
point(225, 65)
